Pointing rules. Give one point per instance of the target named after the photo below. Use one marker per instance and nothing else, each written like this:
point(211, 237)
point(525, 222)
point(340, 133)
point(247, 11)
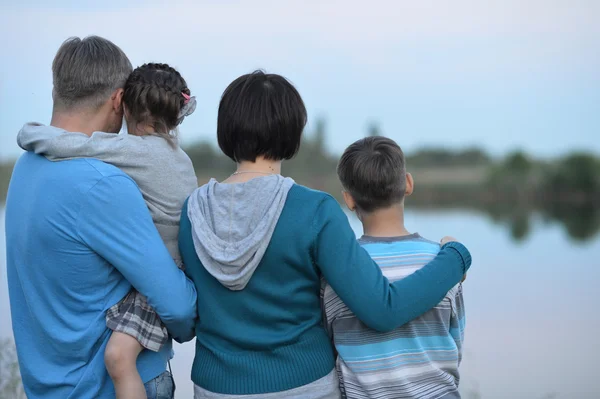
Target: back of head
point(373, 171)
point(85, 73)
point(260, 115)
point(155, 95)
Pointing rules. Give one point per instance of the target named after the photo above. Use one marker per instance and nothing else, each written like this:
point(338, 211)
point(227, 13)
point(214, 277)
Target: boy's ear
point(349, 201)
point(410, 185)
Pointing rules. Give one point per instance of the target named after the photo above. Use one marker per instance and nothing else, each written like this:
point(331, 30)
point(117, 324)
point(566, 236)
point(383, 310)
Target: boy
point(421, 358)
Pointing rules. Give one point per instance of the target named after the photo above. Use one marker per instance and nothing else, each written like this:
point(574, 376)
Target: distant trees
point(512, 179)
point(320, 136)
point(566, 190)
point(314, 166)
point(10, 377)
point(373, 130)
point(517, 163)
point(209, 161)
point(432, 157)
point(576, 175)
point(438, 156)
point(5, 173)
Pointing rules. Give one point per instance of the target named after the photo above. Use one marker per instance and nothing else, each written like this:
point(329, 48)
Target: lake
point(532, 324)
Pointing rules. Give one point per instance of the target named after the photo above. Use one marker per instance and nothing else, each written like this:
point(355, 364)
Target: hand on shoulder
point(446, 240)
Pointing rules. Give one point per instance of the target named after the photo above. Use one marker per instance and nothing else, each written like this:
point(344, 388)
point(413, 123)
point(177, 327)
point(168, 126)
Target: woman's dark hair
point(260, 115)
point(153, 94)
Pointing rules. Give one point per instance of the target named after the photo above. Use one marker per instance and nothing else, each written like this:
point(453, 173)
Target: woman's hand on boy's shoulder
point(446, 240)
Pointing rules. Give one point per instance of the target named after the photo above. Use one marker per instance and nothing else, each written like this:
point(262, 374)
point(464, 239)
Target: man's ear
point(410, 185)
point(117, 101)
point(349, 201)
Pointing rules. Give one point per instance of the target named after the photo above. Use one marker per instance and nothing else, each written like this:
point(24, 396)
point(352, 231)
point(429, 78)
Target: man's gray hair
point(86, 72)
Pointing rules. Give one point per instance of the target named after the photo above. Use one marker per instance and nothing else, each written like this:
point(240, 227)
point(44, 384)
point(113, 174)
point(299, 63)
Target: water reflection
point(581, 222)
point(518, 328)
point(519, 226)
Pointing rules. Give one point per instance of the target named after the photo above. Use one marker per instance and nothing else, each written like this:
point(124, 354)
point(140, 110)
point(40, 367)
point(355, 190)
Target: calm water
point(532, 320)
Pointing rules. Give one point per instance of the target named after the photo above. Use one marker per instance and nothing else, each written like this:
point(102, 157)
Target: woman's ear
point(410, 185)
point(349, 201)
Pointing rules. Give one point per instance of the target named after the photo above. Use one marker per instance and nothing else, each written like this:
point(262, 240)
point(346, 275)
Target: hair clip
point(189, 106)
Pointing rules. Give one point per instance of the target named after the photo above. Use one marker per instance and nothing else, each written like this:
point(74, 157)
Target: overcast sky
point(501, 74)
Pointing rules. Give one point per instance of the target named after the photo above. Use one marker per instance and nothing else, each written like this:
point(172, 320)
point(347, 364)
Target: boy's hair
point(373, 171)
point(153, 94)
point(260, 115)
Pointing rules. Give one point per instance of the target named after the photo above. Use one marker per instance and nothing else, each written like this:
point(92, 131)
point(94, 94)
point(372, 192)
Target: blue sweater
point(78, 235)
point(269, 337)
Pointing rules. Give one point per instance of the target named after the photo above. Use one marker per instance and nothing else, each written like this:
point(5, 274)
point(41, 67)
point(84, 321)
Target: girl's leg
point(120, 358)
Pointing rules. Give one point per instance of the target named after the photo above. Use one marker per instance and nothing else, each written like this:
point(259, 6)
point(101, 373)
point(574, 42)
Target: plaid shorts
point(133, 316)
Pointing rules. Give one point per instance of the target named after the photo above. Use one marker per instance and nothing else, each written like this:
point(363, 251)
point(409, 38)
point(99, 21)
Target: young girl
point(156, 99)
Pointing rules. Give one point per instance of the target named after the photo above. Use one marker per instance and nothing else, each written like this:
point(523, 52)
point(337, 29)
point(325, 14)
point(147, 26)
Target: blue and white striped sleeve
point(458, 319)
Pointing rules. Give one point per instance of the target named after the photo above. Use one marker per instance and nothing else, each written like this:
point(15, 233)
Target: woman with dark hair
point(257, 245)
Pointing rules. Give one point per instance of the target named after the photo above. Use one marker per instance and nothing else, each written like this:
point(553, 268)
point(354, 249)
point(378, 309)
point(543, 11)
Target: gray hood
point(232, 225)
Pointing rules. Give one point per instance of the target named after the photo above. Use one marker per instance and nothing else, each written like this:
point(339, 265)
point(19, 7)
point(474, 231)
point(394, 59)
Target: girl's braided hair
point(153, 94)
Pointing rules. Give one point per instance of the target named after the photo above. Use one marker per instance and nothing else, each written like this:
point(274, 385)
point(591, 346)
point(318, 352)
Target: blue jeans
point(162, 387)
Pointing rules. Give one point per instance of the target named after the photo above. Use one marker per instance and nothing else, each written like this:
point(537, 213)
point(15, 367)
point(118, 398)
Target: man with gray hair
point(78, 237)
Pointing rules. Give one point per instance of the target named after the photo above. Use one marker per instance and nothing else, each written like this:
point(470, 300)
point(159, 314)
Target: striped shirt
point(418, 360)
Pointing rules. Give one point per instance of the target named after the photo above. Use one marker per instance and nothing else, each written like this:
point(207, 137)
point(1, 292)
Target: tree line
point(467, 178)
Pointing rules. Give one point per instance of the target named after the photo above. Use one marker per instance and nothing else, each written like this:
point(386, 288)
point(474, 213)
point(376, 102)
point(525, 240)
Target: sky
point(502, 75)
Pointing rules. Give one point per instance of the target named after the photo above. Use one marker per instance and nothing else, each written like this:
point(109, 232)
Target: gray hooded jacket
point(232, 225)
point(164, 174)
